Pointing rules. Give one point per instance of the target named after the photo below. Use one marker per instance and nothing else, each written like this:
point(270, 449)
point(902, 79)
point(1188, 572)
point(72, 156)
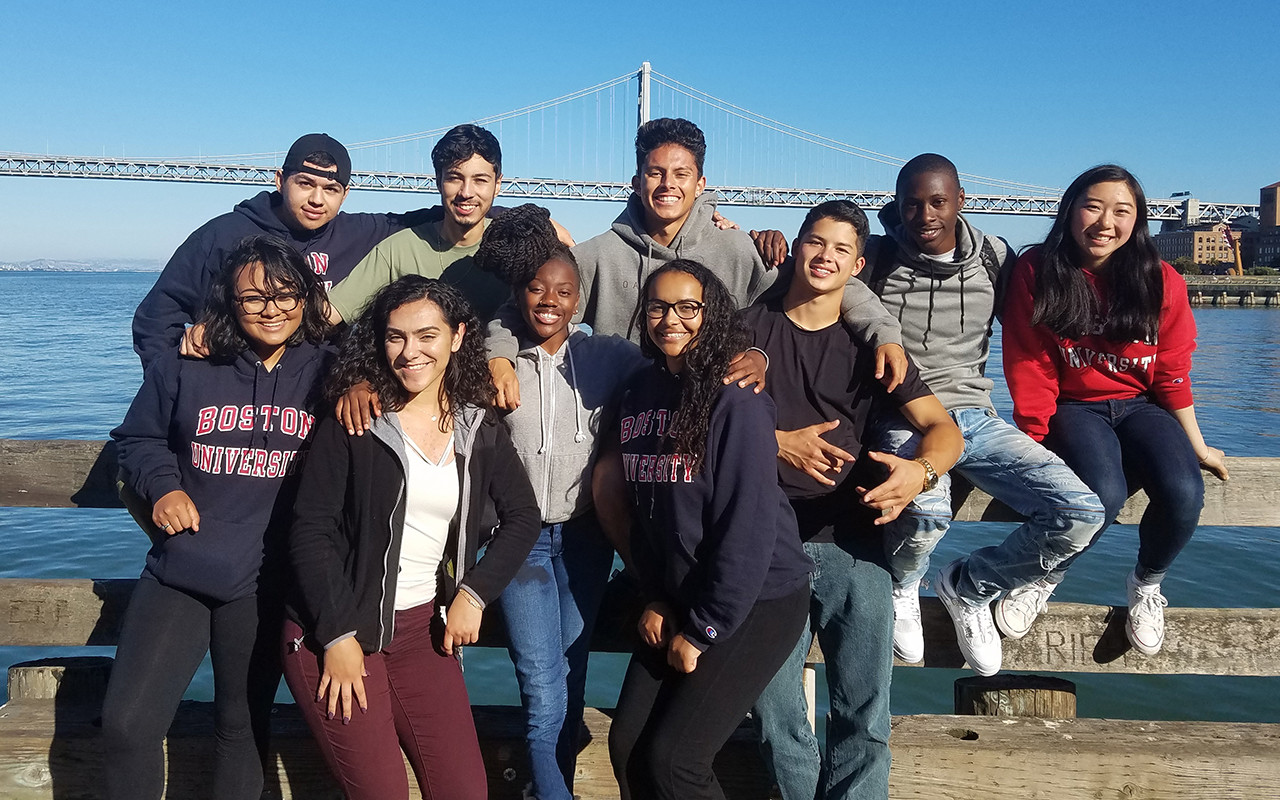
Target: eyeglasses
point(256, 303)
point(685, 309)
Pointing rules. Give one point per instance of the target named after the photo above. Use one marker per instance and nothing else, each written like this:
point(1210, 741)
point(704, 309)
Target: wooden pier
point(49, 736)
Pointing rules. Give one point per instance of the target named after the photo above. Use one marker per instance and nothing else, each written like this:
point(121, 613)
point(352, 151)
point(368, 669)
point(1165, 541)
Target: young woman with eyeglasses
point(212, 446)
point(716, 549)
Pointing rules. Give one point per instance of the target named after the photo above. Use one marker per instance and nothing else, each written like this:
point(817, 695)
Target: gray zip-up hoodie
point(556, 427)
point(945, 308)
point(615, 264)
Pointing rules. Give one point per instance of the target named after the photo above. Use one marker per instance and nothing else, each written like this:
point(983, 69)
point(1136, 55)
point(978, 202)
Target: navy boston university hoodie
point(179, 293)
point(228, 434)
point(716, 541)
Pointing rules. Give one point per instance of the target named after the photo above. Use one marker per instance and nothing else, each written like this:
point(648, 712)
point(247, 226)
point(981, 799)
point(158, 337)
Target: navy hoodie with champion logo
point(229, 435)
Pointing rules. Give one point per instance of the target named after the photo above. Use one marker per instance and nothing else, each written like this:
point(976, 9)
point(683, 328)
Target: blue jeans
point(1062, 513)
point(1113, 444)
point(550, 609)
point(852, 615)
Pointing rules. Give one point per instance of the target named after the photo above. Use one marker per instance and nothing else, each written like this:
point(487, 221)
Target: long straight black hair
point(1068, 305)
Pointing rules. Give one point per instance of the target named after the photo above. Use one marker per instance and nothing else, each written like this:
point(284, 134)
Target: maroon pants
point(417, 701)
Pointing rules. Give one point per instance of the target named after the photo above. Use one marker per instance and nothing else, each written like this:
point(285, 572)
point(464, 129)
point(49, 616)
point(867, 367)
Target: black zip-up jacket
point(349, 522)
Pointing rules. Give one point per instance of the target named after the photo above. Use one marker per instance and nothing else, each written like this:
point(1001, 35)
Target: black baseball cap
point(319, 143)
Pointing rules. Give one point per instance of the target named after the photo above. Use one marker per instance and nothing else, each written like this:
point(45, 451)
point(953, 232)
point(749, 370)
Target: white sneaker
point(1018, 608)
point(908, 633)
point(975, 632)
point(1146, 616)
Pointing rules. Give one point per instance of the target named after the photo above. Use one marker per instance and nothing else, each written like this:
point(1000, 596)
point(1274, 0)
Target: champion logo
point(711, 632)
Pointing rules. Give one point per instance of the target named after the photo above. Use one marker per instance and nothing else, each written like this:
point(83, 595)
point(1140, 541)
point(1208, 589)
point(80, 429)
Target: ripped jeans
point(1062, 513)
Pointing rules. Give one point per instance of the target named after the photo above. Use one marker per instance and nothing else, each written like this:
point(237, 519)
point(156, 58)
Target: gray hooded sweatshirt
point(615, 264)
point(945, 308)
point(557, 426)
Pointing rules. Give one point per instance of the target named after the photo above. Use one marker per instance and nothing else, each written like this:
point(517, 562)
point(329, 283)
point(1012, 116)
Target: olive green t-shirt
point(419, 251)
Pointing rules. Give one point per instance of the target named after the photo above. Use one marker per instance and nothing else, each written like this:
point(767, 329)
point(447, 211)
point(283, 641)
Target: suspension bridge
point(755, 160)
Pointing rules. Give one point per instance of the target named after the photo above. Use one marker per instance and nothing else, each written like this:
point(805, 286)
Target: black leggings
point(669, 725)
point(165, 635)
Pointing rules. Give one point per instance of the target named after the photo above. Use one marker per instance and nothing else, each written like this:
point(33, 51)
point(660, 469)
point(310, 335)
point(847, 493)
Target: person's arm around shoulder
point(941, 445)
point(873, 326)
point(177, 296)
point(1030, 356)
point(503, 344)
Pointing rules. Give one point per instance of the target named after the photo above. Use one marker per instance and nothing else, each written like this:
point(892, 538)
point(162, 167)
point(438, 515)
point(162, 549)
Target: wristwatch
point(930, 474)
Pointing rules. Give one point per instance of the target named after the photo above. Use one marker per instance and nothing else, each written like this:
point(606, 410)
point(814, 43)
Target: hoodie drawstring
point(578, 435)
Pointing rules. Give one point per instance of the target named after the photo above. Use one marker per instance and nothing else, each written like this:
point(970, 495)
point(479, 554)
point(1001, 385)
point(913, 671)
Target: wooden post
point(1016, 696)
point(73, 679)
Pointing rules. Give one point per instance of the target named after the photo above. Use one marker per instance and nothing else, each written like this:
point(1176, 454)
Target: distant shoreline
point(81, 269)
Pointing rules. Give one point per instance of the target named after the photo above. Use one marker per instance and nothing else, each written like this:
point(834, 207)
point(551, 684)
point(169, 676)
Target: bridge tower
point(645, 69)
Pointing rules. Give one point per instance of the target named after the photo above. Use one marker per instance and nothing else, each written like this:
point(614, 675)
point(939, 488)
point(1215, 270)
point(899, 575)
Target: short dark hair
point(923, 164)
point(283, 268)
point(463, 142)
point(667, 130)
point(840, 211)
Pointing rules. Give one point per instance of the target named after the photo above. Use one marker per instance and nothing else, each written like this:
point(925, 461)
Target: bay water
point(68, 371)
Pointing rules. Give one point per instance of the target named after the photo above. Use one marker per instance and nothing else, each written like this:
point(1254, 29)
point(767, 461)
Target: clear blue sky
point(1182, 93)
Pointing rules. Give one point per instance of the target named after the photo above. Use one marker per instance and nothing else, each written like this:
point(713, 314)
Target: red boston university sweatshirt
point(1041, 367)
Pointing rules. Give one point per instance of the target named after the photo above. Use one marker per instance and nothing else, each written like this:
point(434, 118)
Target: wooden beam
point(74, 473)
point(1008, 758)
point(48, 751)
point(1070, 637)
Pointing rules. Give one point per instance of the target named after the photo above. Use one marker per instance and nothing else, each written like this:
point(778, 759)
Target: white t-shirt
point(432, 495)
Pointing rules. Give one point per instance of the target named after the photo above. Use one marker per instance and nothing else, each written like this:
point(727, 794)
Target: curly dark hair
point(518, 243)
point(723, 336)
point(363, 355)
point(283, 270)
point(1066, 303)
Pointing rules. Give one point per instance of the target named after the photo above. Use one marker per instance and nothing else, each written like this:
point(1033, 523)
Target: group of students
point(767, 444)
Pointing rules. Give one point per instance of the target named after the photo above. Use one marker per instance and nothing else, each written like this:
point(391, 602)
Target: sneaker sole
point(1008, 630)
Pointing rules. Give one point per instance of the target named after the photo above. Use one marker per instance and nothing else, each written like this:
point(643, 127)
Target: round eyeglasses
point(685, 309)
point(256, 303)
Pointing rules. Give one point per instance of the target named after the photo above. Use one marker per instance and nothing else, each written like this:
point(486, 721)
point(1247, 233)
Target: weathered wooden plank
point(995, 758)
point(68, 473)
point(58, 473)
point(1075, 637)
point(1070, 637)
point(62, 613)
point(55, 752)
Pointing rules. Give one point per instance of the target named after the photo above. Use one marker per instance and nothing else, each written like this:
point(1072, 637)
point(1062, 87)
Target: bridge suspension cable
point(587, 133)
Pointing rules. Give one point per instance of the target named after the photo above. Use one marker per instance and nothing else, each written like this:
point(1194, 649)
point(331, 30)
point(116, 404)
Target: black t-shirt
point(820, 376)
